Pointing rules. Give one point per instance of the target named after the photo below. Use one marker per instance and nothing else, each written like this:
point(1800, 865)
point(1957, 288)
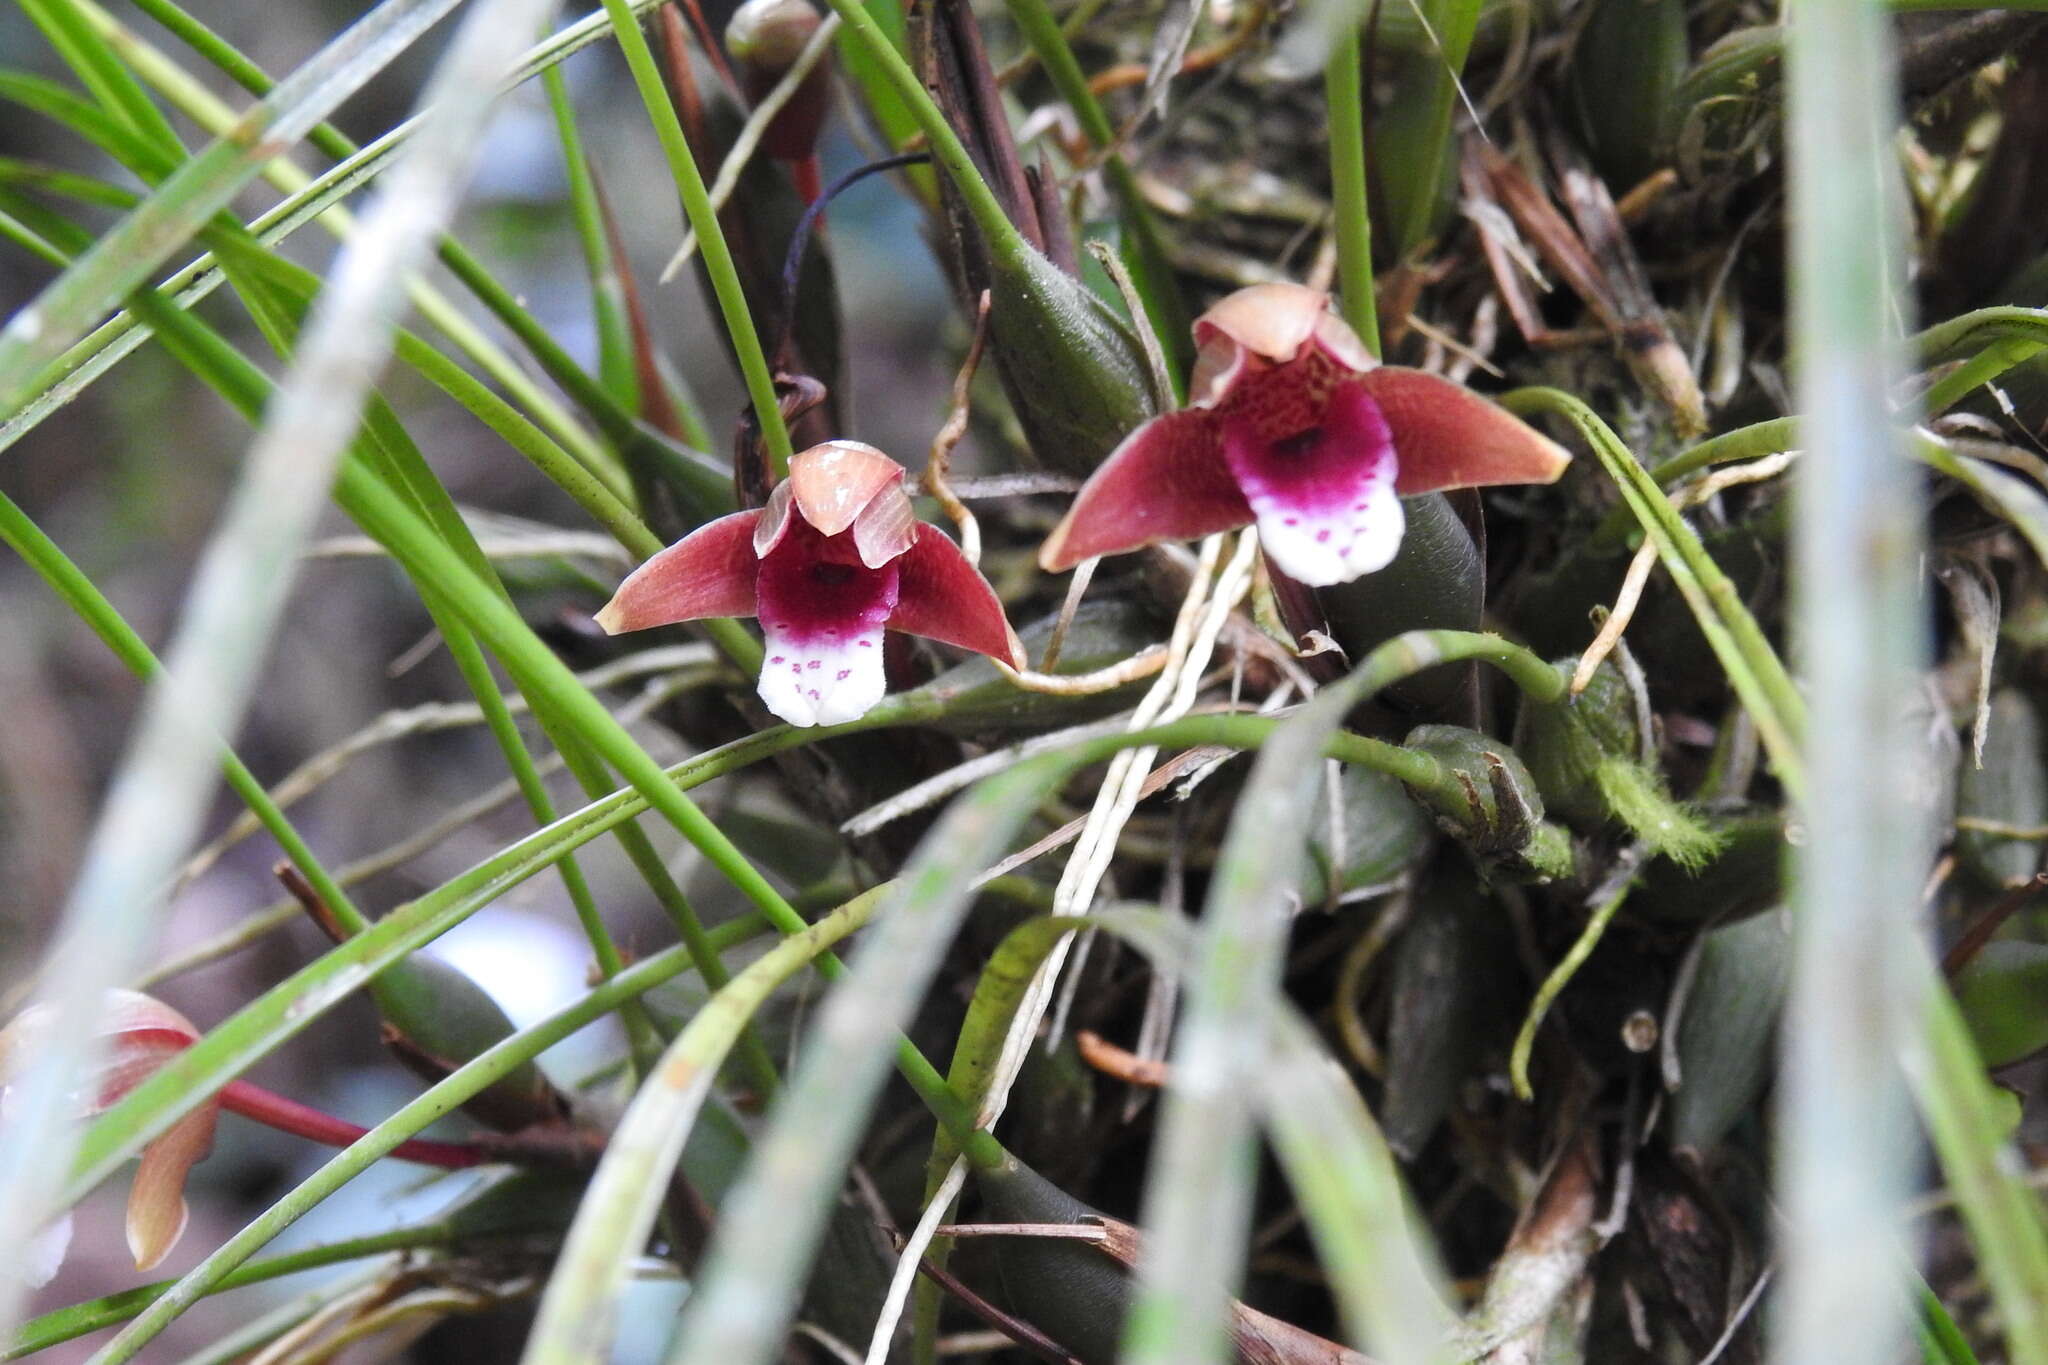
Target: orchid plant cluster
point(1292, 425)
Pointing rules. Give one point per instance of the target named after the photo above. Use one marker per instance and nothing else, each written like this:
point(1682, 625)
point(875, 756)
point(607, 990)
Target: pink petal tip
point(709, 572)
point(1450, 437)
point(1167, 481)
point(945, 598)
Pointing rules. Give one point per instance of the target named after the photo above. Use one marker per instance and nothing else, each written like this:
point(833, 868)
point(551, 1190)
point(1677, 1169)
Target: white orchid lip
point(1324, 500)
point(1293, 425)
point(836, 559)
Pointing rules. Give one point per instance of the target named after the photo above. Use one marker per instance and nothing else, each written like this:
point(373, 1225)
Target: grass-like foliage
point(1306, 684)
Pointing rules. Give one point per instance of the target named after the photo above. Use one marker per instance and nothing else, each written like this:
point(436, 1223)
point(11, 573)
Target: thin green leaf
point(200, 188)
point(1753, 667)
point(1344, 93)
point(718, 262)
point(101, 72)
point(466, 1081)
point(76, 589)
point(2003, 1213)
point(1197, 1207)
point(751, 1276)
point(80, 1319)
point(577, 1318)
point(239, 589)
point(1845, 1145)
point(2018, 500)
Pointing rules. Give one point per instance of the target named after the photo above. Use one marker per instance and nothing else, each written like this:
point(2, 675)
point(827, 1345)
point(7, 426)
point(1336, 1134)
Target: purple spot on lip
point(1322, 537)
point(1292, 521)
point(867, 644)
point(844, 674)
point(814, 694)
point(776, 660)
point(816, 664)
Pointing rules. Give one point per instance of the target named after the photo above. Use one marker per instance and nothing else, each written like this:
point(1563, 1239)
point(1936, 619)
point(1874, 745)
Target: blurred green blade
point(1845, 1144)
point(200, 188)
point(156, 803)
point(1197, 1204)
point(750, 1279)
point(578, 1312)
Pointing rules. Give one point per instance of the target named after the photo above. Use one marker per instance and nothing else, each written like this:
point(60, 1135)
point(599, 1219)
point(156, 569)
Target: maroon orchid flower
point(143, 1034)
point(1293, 425)
point(835, 558)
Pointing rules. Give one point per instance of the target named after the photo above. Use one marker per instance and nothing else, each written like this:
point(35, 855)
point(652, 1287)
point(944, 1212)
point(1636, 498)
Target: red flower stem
point(301, 1120)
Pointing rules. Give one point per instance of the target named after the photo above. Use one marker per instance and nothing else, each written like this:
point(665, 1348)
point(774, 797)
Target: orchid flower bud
point(765, 38)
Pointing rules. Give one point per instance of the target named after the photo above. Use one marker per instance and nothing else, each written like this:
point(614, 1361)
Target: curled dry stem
point(955, 426)
point(1121, 1063)
point(1143, 664)
point(1077, 588)
point(1638, 576)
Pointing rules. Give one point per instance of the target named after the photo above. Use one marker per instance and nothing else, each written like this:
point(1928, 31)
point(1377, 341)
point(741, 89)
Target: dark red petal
point(1449, 437)
point(1324, 498)
point(945, 598)
point(1167, 481)
point(823, 613)
point(709, 572)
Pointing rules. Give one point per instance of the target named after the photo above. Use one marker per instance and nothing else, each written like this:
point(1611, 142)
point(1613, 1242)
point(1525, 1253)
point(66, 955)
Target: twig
point(1077, 588)
point(1143, 664)
point(1123, 1064)
point(1741, 1315)
point(1973, 939)
point(1632, 583)
point(954, 427)
point(1016, 1329)
point(1625, 602)
point(1134, 303)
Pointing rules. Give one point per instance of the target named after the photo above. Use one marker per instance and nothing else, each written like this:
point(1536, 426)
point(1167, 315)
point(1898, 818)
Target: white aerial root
point(1632, 584)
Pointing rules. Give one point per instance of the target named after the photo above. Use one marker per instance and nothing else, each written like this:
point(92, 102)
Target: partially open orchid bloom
point(142, 1034)
point(835, 558)
point(1292, 424)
